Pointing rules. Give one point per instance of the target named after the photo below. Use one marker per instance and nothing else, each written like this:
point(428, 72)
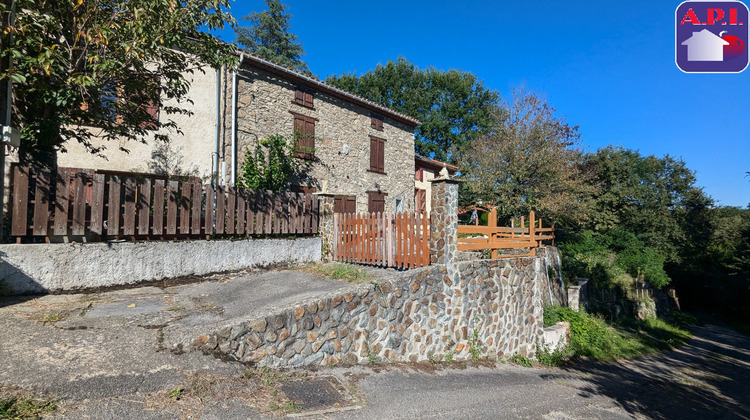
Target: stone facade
point(342, 137)
point(493, 310)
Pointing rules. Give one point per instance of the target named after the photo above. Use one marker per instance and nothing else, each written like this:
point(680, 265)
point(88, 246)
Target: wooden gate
point(387, 239)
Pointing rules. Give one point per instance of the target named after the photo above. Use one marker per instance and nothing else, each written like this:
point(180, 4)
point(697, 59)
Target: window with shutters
point(420, 200)
point(113, 96)
point(303, 97)
point(376, 201)
point(344, 204)
point(304, 136)
point(377, 155)
point(376, 121)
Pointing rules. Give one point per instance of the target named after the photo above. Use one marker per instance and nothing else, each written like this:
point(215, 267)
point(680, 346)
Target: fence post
point(326, 225)
point(444, 221)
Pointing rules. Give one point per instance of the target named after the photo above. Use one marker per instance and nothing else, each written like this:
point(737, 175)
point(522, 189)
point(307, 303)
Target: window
point(376, 201)
point(377, 155)
point(420, 200)
point(376, 122)
point(114, 96)
point(304, 135)
point(344, 204)
point(419, 175)
point(303, 97)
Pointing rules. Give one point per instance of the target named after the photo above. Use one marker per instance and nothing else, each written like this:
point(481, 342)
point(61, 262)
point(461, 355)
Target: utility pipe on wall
point(234, 122)
point(215, 157)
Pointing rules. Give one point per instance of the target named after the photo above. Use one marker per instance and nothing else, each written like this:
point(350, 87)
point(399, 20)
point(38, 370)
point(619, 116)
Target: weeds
point(176, 393)
point(449, 356)
point(592, 337)
point(52, 318)
point(25, 408)
point(521, 360)
point(289, 407)
point(474, 350)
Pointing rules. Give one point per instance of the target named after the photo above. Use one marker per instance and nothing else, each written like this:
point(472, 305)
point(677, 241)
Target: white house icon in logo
point(705, 46)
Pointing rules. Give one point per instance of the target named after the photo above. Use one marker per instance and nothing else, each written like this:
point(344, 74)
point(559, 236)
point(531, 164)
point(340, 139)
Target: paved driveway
point(112, 355)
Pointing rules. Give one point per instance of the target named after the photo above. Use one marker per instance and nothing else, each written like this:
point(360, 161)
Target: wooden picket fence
point(387, 239)
point(493, 237)
point(104, 206)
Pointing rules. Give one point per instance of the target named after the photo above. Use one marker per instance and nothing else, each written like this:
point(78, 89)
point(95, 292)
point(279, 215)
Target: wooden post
point(532, 233)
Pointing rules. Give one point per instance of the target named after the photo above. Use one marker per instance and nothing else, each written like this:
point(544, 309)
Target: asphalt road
point(109, 355)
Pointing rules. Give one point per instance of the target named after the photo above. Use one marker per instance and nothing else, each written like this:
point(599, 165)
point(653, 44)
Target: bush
point(589, 336)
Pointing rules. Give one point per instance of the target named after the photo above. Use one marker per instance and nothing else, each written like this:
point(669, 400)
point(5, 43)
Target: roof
point(324, 87)
point(434, 164)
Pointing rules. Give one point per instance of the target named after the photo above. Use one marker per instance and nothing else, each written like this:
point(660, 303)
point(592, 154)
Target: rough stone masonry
point(450, 310)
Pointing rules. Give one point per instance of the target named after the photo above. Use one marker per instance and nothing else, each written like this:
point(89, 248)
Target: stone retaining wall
point(489, 308)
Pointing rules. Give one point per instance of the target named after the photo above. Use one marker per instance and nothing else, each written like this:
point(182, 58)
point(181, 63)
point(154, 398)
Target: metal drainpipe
point(215, 157)
point(234, 122)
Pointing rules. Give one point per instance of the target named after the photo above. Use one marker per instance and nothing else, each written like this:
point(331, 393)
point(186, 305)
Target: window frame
point(304, 135)
point(376, 121)
point(304, 97)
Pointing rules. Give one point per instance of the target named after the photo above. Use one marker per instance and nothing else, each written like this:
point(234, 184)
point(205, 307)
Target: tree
point(95, 69)
point(453, 106)
point(268, 37)
point(529, 161)
point(273, 169)
point(655, 198)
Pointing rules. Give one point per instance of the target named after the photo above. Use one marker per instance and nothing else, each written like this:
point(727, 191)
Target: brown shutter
point(381, 155)
point(309, 138)
point(344, 204)
point(420, 200)
point(299, 96)
point(299, 136)
point(351, 204)
point(375, 202)
point(308, 99)
point(373, 154)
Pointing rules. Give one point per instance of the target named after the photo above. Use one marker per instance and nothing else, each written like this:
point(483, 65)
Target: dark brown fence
point(387, 240)
point(102, 206)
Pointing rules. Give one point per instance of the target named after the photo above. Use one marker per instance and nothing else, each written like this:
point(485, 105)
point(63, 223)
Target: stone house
point(425, 170)
point(354, 149)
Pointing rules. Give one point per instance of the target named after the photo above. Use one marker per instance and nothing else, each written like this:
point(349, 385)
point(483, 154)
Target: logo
point(712, 36)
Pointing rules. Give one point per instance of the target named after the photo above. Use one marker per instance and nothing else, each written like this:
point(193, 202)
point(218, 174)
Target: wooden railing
point(475, 237)
point(103, 206)
point(382, 239)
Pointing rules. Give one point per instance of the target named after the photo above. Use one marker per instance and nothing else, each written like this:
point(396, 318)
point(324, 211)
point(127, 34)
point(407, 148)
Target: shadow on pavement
point(708, 378)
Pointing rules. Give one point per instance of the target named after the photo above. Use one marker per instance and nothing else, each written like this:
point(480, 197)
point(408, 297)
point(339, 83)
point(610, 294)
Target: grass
point(521, 360)
point(24, 408)
point(339, 271)
point(593, 338)
point(289, 407)
point(52, 318)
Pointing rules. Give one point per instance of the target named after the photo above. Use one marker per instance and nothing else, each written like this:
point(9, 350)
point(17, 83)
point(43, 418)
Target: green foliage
point(592, 337)
point(271, 166)
point(613, 255)
point(554, 359)
point(25, 408)
point(529, 161)
point(268, 37)
point(454, 107)
point(521, 360)
point(176, 393)
point(99, 64)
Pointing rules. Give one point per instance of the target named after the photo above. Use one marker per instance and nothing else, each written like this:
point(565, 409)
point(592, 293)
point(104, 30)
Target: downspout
point(215, 156)
point(234, 122)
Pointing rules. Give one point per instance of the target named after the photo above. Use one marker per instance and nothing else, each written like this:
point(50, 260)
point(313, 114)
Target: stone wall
point(342, 143)
point(490, 309)
point(37, 268)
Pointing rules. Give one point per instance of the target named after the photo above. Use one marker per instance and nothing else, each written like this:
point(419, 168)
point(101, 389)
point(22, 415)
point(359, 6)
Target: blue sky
point(606, 66)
